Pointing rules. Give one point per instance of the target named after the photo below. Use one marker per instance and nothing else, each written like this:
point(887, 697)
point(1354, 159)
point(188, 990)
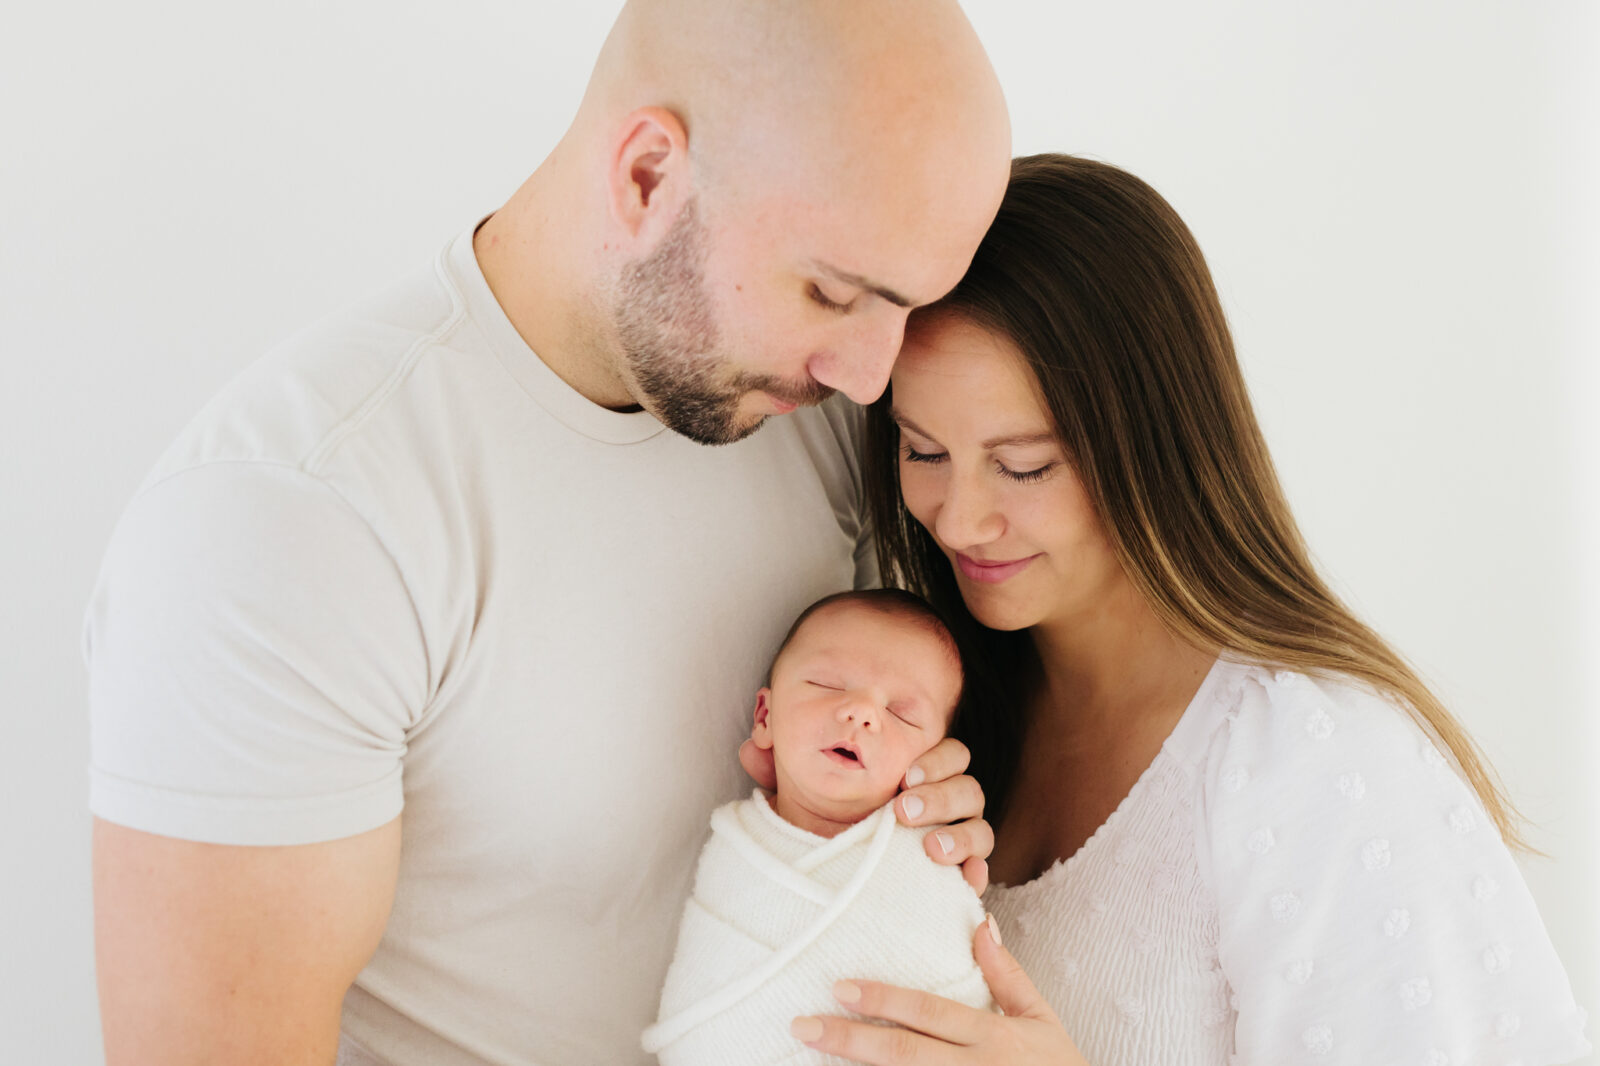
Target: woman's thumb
point(1012, 989)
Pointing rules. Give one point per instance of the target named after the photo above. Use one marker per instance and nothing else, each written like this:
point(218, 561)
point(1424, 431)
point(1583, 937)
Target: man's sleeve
point(255, 661)
point(867, 573)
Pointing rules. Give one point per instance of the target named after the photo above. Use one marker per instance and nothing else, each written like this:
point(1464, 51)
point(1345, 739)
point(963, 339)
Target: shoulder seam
point(314, 459)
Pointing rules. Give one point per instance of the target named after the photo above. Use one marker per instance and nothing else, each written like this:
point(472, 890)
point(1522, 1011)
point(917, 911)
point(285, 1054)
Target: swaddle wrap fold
point(779, 914)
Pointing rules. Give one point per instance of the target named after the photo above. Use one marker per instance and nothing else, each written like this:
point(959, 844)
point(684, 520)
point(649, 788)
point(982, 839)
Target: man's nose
point(859, 365)
point(967, 516)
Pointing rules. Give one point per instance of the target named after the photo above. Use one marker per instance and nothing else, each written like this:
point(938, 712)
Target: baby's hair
point(888, 601)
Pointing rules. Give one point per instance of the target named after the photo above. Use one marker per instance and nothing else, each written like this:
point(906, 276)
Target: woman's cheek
point(919, 491)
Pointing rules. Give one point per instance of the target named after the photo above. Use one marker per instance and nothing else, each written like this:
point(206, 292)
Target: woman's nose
point(967, 515)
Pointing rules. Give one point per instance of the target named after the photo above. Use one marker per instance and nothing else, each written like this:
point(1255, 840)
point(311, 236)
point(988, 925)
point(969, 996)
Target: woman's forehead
point(972, 380)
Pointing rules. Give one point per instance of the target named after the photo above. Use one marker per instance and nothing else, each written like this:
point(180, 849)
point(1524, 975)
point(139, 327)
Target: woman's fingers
point(1013, 990)
point(929, 1028)
point(968, 841)
point(950, 844)
point(875, 1045)
point(922, 1012)
point(941, 802)
point(976, 873)
point(945, 759)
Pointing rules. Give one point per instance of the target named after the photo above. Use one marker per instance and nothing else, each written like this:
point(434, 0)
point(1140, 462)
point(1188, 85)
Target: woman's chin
point(995, 614)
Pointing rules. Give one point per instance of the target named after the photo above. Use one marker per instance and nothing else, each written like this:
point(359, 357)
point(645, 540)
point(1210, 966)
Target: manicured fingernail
point(912, 805)
point(844, 992)
point(915, 777)
point(994, 933)
point(806, 1030)
point(946, 844)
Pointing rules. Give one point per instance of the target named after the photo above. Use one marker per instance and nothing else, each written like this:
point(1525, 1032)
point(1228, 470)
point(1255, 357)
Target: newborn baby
point(820, 882)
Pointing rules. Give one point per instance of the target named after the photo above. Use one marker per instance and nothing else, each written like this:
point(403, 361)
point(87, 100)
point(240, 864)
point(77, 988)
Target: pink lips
point(991, 573)
point(845, 760)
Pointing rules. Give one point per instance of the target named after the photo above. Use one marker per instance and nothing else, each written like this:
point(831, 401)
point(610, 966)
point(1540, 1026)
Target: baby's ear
point(761, 731)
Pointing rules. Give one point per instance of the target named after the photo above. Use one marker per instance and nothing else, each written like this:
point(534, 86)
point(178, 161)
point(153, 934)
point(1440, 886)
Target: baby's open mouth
point(844, 754)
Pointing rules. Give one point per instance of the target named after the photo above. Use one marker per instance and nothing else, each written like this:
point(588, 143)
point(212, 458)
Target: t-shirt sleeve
point(868, 575)
point(1368, 910)
point(254, 663)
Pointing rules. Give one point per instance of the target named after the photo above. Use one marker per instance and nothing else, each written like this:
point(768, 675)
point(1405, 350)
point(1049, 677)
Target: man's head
point(864, 684)
point(782, 183)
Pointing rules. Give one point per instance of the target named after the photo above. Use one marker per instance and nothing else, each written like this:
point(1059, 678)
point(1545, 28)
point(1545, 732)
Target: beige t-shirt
point(399, 564)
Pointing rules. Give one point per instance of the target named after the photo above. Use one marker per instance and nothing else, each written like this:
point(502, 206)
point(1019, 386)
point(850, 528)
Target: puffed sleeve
point(1368, 909)
point(254, 663)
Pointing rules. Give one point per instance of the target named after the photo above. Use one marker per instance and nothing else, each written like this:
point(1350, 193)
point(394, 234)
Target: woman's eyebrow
point(905, 423)
point(1019, 439)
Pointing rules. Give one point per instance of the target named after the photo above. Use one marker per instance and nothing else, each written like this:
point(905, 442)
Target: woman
point(1231, 820)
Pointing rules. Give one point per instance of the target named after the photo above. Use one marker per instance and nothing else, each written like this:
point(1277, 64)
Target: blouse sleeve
point(1368, 911)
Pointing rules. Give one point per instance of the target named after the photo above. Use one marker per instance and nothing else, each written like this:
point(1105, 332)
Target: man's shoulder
point(288, 406)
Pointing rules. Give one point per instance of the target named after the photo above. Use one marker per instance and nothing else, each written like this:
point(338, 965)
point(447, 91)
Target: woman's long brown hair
point(1100, 285)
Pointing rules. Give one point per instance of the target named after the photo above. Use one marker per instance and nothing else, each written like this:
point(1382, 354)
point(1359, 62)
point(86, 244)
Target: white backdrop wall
point(1396, 199)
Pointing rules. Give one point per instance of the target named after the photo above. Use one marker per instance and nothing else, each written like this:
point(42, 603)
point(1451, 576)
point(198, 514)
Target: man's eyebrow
point(1012, 441)
point(859, 282)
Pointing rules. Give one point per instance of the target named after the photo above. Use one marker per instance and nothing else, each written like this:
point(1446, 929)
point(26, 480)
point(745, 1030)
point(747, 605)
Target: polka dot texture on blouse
point(1299, 877)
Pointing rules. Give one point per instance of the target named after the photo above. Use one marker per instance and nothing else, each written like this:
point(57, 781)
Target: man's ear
point(761, 731)
point(649, 180)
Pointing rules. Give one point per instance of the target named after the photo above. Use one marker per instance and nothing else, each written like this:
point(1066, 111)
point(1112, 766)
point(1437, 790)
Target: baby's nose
point(860, 711)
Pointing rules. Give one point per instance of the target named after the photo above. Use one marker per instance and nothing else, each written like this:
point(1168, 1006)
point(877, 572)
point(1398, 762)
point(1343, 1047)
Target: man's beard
point(669, 340)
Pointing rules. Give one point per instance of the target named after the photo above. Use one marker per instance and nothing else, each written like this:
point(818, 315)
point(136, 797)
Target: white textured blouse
point(1299, 877)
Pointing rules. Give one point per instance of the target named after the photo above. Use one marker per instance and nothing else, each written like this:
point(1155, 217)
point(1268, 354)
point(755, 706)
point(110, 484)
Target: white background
point(1396, 199)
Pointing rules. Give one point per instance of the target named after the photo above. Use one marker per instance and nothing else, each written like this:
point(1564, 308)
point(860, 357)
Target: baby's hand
point(938, 791)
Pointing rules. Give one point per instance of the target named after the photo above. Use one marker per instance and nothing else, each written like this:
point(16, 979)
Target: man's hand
point(936, 791)
point(210, 953)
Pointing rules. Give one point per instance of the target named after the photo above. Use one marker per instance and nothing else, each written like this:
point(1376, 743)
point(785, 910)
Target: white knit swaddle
point(779, 914)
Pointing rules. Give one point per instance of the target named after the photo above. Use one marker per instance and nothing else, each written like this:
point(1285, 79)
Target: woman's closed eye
point(1038, 473)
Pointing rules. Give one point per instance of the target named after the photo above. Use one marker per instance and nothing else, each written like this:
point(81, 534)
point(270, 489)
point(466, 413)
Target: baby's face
point(856, 697)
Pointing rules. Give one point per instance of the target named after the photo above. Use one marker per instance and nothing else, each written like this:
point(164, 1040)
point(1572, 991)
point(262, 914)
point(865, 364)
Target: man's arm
point(212, 953)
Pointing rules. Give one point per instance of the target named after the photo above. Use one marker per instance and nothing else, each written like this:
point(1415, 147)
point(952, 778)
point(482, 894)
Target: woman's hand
point(940, 1032)
point(936, 791)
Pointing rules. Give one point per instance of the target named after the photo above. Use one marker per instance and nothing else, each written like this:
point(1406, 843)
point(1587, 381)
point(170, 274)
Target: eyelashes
point(821, 299)
point(1024, 477)
point(1027, 476)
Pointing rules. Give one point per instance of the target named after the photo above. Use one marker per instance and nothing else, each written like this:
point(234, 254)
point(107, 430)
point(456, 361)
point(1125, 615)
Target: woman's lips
point(991, 572)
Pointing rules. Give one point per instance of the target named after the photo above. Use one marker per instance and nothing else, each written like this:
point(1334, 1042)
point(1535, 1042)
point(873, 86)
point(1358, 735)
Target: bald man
point(463, 551)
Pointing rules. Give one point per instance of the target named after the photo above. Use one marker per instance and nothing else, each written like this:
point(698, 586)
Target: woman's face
point(982, 470)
